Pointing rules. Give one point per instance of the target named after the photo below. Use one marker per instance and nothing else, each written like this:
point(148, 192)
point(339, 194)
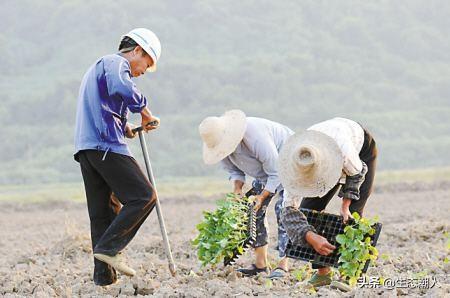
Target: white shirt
point(349, 136)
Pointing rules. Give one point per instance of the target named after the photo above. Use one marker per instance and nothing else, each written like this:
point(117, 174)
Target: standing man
point(248, 146)
point(313, 165)
point(109, 171)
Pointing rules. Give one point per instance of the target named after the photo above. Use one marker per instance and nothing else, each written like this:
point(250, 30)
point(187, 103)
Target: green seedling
point(223, 230)
point(420, 274)
point(356, 248)
point(302, 273)
point(268, 284)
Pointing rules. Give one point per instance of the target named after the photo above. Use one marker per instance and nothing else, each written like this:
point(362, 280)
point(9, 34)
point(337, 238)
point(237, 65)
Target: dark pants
point(368, 155)
point(112, 227)
point(262, 235)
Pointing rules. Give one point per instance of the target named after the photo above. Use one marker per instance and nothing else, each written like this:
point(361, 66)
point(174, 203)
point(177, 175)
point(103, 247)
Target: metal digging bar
point(162, 226)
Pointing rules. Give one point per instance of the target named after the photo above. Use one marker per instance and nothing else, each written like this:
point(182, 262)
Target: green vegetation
point(42, 192)
point(170, 187)
point(410, 176)
point(303, 273)
point(167, 188)
point(384, 64)
point(355, 248)
point(223, 230)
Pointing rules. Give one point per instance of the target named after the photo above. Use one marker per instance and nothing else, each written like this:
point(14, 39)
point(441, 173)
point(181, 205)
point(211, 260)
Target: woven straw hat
point(310, 164)
point(221, 135)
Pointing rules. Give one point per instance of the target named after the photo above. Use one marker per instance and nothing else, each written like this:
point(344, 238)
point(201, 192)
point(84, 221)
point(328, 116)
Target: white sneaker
point(117, 263)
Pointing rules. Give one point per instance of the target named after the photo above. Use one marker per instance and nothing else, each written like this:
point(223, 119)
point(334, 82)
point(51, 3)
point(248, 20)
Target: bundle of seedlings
point(225, 232)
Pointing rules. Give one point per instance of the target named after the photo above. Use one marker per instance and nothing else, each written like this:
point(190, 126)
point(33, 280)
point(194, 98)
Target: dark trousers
point(107, 182)
point(368, 155)
point(262, 235)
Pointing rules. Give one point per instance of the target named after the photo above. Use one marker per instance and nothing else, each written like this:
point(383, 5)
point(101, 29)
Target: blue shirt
point(106, 95)
point(257, 153)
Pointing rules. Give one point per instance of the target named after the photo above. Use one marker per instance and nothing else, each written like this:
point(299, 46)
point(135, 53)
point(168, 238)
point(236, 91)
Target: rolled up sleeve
point(350, 189)
point(235, 172)
point(118, 76)
point(352, 162)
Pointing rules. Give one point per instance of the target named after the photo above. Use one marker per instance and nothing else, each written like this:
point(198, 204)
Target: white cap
point(149, 42)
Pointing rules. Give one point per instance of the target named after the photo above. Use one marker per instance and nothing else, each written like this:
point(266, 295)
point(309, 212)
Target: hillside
point(385, 64)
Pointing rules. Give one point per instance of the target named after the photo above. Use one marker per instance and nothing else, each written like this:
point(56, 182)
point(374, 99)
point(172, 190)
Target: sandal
point(277, 273)
point(252, 271)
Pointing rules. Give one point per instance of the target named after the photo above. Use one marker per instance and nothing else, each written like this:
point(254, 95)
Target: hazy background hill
point(383, 63)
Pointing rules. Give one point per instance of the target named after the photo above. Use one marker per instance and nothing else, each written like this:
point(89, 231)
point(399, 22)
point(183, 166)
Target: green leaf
point(356, 248)
point(352, 281)
point(223, 243)
point(341, 239)
point(222, 231)
point(364, 229)
point(240, 249)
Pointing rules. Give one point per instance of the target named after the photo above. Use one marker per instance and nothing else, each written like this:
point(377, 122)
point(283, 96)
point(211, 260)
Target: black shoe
point(252, 271)
point(104, 283)
point(104, 275)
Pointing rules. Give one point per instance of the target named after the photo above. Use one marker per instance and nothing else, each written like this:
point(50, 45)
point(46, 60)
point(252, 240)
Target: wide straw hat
point(310, 164)
point(221, 135)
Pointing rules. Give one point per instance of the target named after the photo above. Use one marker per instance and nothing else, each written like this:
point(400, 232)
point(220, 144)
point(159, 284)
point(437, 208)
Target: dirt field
point(45, 250)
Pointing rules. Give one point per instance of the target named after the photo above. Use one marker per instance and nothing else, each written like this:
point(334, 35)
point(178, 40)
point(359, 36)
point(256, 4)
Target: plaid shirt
point(296, 225)
point(350, 189)
point(295, 222)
